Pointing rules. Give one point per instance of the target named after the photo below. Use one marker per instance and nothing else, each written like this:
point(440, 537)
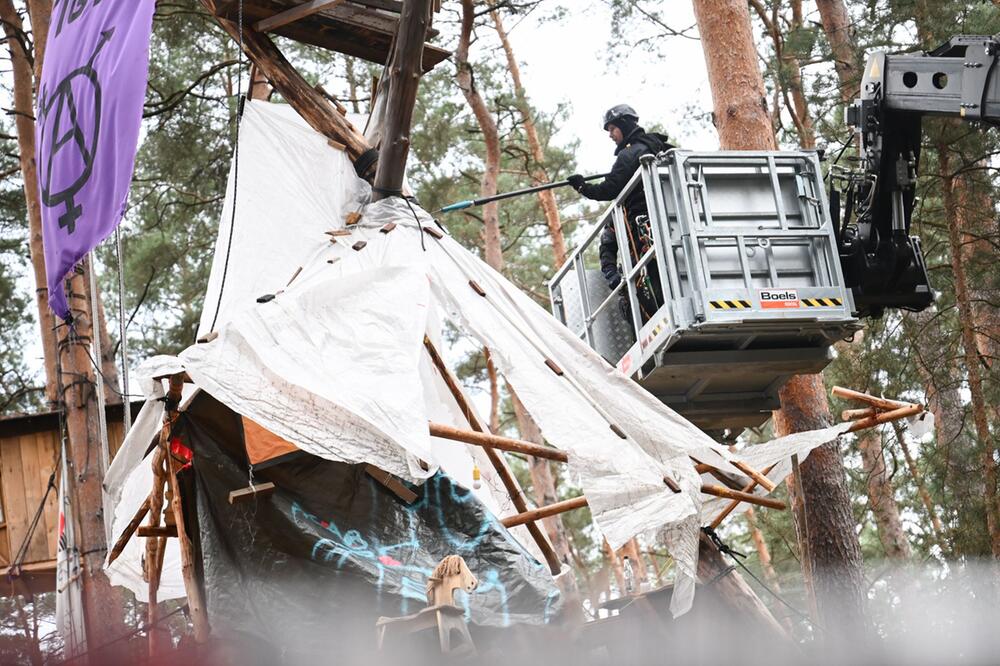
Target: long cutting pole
point(469, 203)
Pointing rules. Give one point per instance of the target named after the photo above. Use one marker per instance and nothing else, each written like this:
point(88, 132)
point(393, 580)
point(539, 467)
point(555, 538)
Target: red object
point(178, 449)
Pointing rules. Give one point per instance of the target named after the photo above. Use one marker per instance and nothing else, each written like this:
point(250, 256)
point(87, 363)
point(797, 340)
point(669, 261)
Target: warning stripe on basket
point(822, 302)
point(730, 305)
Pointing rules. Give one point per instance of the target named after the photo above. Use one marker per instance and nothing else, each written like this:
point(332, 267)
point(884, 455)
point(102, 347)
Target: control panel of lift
point(738, 286)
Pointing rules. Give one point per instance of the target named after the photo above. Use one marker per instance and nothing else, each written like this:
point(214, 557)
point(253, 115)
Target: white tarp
point(335, 362)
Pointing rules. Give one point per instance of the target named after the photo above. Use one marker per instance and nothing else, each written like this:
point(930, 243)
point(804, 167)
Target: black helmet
point(619, 111)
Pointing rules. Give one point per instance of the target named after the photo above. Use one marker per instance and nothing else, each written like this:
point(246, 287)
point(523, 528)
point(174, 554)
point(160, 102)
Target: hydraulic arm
point(883, 265)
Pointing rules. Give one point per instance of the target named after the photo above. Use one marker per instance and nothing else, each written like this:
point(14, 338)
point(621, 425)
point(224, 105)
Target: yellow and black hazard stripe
point(730, 305)
point(822, 302)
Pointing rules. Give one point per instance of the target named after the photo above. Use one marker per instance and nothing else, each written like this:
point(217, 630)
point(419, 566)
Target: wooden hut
point(29, 452)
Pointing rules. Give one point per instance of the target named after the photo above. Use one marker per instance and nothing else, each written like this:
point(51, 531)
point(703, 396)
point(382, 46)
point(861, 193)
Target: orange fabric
point(262, 444)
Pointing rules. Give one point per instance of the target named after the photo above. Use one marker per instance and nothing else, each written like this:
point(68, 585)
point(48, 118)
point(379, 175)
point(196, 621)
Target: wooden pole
point(508, 480)
point(580, 502)
point(545, 511)
point(886, 417)
point(403, 80)
point(129, 531)
point(881, 403)
point(192, 587)
point(487, 440)
point(731, 506)
point(154, 558)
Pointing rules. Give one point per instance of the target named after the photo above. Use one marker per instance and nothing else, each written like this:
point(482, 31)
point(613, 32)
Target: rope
point(236, 163)
point(22, 550)
point(123, 637)
point(420, 229)
point(725, 549)
point(122, 327)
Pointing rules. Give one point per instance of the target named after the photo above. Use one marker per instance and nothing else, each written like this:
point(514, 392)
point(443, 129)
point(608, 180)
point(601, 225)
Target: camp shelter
point(326, 335)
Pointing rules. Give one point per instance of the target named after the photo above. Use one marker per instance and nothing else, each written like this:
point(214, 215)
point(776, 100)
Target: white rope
point(95, 341)
point(122, 337)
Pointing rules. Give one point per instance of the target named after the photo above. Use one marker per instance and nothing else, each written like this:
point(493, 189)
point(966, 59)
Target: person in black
point(621, 122)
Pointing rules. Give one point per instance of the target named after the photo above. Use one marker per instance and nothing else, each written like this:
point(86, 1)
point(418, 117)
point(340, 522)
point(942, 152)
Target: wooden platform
point(360, 28)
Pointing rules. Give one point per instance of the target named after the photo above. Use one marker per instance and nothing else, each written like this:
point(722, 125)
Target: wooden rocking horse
point(449, 575)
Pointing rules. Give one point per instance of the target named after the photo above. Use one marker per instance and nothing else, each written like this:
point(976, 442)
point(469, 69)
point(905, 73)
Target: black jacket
point(635, 145)
point(628, 152)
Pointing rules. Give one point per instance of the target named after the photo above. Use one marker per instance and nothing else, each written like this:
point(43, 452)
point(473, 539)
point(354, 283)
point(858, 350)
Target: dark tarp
point(314, 565)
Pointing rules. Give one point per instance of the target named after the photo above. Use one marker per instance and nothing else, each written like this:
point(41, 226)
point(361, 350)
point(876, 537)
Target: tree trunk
point(881, 499)
point(953, 213)
point(102, 603)
point(832, 544)
point(979, 230)
point(840, 36)
point(740, 103)
point(404, 79)
point(491, 137)
point(24, 121)
point(743, 124)
point(546, 198)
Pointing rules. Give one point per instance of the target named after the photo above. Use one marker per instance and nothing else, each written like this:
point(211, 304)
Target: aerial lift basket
point(742, 249)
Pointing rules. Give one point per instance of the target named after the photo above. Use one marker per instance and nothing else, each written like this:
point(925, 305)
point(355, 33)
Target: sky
point(568, 61)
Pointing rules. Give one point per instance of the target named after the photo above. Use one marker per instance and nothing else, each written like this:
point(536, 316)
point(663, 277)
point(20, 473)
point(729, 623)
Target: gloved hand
point(575, 181)
point(614, 279)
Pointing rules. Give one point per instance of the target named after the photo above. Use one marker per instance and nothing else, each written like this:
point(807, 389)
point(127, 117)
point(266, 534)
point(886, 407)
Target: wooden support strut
point(580, 502)
point(307, 102)
point(495, 441)
point(894, 410)
point(508, 480)
point(293, 14)
point(192, 587)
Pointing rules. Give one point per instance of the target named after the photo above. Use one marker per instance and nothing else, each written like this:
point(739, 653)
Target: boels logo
point(775, 299)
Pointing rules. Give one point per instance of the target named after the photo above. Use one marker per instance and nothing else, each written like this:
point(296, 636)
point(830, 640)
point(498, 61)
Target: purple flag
point(89, 112)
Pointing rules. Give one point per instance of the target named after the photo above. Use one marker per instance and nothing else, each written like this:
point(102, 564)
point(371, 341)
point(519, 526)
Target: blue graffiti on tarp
point(407, 579)
point(339, 548)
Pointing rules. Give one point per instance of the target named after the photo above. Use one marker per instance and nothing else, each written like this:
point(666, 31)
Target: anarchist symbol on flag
point(64, 128)
point(89, 113)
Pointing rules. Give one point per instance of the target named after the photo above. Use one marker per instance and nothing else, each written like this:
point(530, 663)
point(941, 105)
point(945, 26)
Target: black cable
point(23, 548)
point(736, 556)
point(107, 382)
point(420, 228)
point(236, 165)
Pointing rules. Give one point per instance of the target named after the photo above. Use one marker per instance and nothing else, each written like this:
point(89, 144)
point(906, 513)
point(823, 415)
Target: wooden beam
point(391, 483)
point(764, 482)
point(508, 480)
point(129, 530)
point(301, 96)
point(497, 442)
point(157, 531)
point(580, 502)
point(749, 498)
point(544, 512)
point(293, 14)
point(388, 5)
point(255, 492)
point(881, 403)
point(886, 417)
point(403, 80)
point(732, 505)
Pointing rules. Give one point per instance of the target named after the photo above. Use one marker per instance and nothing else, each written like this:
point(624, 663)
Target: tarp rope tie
point(737, 556)
point(236, 164)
